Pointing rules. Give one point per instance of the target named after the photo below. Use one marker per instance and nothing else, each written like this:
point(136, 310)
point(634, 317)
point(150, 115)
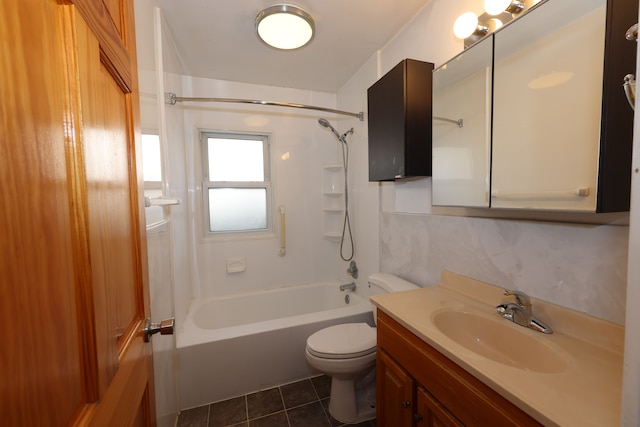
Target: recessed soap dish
point(236, 265)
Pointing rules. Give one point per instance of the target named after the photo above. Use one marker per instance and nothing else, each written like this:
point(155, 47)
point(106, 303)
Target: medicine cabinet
point(399, 120)
point(561, 130)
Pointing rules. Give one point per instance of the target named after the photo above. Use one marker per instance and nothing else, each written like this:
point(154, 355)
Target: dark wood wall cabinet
point(399, 116)
point(417, 385)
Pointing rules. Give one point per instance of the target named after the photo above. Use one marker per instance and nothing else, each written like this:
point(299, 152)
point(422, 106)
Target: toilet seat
point(345, 341)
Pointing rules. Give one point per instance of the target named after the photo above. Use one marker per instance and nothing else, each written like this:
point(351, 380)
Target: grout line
point(268, 415)
point(315, 390)
point(284, 406)
point(326, 411)
point(246, 407)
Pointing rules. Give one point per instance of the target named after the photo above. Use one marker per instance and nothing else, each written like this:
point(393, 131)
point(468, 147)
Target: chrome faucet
point(520, 312)
point(348, 287)
point(353, 270)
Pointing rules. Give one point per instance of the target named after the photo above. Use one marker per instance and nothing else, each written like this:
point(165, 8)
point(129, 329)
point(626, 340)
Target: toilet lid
point(343, 341)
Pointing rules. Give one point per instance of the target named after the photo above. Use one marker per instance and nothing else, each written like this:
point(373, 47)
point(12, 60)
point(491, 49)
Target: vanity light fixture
point(496, 7)
point(471, 27)
point(285, 27)
point(467, 25)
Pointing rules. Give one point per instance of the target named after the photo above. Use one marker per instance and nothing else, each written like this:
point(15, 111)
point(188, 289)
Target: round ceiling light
point(285, 27)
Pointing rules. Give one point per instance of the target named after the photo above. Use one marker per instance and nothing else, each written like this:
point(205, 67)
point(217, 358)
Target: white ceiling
point(216, 39)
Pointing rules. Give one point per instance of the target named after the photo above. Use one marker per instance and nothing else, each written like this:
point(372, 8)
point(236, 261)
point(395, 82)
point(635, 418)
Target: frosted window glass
point(237, 209)
point(235, 160)
point(151, 161)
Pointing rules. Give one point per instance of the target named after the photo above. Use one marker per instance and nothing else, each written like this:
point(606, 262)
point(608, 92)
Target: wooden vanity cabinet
point(417, 385)
point(395, 393)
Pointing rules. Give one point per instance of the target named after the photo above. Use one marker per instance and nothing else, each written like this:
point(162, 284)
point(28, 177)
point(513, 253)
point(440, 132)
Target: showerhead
point(325, 123)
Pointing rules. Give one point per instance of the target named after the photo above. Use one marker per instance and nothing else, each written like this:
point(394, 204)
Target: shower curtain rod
point(172, 99)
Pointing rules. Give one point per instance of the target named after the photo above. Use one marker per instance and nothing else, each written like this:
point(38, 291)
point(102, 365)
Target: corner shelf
point(332, 201)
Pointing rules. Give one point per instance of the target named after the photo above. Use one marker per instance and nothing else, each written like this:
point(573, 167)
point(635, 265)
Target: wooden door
point(74, 283)
point(394, 393)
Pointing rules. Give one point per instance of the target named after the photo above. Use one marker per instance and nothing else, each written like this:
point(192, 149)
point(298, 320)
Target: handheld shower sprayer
point(346, 227)
point(325, 123)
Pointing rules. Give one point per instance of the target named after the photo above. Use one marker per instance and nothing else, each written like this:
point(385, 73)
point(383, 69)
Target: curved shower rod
point(172, 99)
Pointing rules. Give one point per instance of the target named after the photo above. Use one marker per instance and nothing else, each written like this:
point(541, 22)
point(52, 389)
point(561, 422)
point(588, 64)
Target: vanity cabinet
point(399, 122)
point(417, 385)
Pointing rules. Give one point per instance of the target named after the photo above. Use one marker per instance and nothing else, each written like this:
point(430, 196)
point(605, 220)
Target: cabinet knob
point(417, 418)
point(406, 404)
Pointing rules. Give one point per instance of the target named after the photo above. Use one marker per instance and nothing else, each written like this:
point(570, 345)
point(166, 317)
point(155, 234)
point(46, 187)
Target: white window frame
point(207, 185)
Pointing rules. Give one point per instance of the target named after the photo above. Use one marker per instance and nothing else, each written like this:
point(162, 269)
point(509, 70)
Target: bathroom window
point(236, 184)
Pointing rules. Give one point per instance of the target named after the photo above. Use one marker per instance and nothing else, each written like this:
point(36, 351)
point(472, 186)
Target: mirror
point(462, 90)
point(548, 74)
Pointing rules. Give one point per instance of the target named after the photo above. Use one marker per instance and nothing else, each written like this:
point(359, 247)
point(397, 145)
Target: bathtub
point(233, 345)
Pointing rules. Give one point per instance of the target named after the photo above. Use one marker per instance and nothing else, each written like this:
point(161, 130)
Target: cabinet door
point(395, 398)
point(430, 413)
point(547, 106)
point(462, 90)
point(399, 108)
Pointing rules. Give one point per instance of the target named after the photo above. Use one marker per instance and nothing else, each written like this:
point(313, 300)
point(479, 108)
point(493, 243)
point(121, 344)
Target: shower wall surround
point(299, 148)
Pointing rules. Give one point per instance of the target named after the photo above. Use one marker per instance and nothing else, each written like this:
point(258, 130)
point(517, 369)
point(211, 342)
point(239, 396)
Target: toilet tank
point(385, 283)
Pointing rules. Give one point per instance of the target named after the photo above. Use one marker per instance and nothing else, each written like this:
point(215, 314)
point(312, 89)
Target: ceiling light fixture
point(285, 27)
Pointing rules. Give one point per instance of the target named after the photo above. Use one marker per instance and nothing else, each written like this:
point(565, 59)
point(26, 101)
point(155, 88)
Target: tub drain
point(347, 299)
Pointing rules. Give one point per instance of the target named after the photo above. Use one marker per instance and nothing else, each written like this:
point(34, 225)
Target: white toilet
point(347, 353)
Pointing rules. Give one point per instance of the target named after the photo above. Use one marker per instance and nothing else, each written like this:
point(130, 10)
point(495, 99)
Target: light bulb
point(496, 7)
point(495, 23)
point(465, 25)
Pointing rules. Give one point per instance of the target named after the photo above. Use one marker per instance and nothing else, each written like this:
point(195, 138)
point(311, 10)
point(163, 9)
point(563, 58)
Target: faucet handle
point(521, 298)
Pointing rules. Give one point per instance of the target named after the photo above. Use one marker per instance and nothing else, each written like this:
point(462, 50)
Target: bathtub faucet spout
point(348, 287)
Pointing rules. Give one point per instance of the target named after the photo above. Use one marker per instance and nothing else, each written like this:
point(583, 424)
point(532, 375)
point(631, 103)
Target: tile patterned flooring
point(300, 404)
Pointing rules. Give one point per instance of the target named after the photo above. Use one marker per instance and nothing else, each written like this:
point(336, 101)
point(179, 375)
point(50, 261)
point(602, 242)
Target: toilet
point(347, 353)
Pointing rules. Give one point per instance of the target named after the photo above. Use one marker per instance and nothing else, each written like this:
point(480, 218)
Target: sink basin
point(500, 341)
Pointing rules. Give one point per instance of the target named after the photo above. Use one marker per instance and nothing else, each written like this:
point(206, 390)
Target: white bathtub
point(234, 345)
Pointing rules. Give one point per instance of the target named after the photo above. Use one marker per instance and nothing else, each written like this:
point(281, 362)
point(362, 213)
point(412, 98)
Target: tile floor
point(300, 404)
